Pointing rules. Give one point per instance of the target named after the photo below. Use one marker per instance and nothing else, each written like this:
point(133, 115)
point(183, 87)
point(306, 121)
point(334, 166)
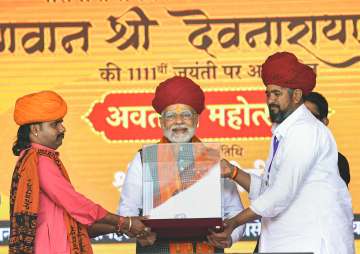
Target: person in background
point(319, 107)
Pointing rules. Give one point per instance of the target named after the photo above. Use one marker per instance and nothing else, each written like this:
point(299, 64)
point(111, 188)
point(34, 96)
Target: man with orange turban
point(47, 215)
point(303, 203)
point(179, 101)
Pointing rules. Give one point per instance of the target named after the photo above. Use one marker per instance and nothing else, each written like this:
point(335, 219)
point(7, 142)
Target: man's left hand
point(147, 240)
point(220, 240)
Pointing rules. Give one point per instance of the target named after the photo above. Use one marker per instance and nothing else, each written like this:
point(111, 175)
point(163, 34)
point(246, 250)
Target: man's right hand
point(232, 172)
point(138, 230)
point(222, 239)
point(147, 240)
point(133, 227)
point(227, 168)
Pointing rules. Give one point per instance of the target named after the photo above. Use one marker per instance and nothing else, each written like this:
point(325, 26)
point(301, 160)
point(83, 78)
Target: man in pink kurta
point(47, 215)
point(56, 196)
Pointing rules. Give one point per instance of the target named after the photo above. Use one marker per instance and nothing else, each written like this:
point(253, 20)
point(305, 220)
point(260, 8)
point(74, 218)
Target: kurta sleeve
point(131, 194)
point(232, 206)
point(63, 194)
point(255, 186)
point(296, 155)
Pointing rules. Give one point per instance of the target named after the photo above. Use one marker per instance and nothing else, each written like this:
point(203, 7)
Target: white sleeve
point(296, 155)
point(232, 206)
point(255, 186)
point(131, 194)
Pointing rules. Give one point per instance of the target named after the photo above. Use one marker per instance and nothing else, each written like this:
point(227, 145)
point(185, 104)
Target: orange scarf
point(24, 206)
point(169, 187)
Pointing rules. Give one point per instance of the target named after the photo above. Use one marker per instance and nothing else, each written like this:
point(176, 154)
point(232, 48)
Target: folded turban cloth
point(44, 106)
point(178, 90)
point(284, 69)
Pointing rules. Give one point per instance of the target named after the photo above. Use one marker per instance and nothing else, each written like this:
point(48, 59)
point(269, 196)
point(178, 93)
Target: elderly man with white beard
point(179, 101)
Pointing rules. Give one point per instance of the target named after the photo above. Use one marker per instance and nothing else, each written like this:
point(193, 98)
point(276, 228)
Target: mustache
point(273, 105)
point(61, 135)
point(179, 126)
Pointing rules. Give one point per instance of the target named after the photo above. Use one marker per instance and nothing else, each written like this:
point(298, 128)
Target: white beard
point(179, 138)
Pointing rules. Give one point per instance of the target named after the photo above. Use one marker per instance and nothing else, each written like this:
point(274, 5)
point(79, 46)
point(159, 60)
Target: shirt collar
point(279, 130)
point(41, 147)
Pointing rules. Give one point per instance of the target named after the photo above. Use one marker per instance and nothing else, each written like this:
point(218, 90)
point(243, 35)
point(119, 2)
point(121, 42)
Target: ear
point(34, 130)
point(196, 120)
point(325, 121)
point(162, 126)
point(297, 96)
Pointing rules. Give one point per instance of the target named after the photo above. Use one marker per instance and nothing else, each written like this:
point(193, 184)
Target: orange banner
point(228, 115)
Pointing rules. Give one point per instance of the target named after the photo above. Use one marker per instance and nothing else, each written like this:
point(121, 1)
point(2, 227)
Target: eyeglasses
point(172, 115)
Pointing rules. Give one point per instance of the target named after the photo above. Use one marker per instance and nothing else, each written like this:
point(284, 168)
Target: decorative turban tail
point(178, 90)
point(284, 69)
point(43, 106)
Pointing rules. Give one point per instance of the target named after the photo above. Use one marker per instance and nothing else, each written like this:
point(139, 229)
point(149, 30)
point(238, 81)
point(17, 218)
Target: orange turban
point(284, 69)
point(178, 90)
point(44, 106)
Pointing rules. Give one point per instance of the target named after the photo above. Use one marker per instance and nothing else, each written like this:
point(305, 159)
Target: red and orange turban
point(284, 69)
point(43, 106)
point(178, 90)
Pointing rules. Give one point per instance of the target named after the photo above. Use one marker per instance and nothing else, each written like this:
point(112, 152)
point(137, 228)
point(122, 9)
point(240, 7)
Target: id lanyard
point(275, 147)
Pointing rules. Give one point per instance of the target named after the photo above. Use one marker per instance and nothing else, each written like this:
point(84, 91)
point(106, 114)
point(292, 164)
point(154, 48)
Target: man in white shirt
point(179, 101)
point(303, 203)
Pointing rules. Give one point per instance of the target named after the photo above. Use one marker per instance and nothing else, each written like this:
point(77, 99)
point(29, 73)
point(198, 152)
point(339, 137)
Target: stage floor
point(129, 248)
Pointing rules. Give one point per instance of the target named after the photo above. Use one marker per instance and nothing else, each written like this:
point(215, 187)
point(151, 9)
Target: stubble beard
point(279, 116)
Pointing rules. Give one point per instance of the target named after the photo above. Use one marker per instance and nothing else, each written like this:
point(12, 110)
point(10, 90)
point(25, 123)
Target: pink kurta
point(56, 196)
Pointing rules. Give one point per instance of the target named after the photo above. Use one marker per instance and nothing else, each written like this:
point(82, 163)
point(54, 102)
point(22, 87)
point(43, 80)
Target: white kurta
point(306, 206)
point(131, 196)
